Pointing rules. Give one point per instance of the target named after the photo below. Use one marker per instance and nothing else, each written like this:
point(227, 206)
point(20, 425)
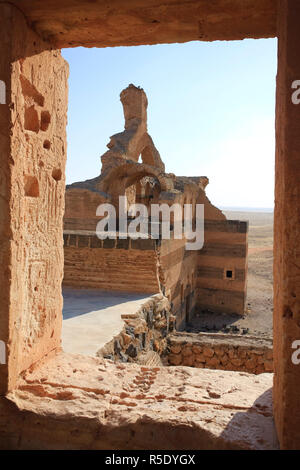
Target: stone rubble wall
point(218, 351)
point(143, 338)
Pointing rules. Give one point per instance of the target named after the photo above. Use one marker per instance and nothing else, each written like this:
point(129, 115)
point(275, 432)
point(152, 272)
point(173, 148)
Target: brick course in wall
point(222, 267)
point(178, 269)
point(120, 265)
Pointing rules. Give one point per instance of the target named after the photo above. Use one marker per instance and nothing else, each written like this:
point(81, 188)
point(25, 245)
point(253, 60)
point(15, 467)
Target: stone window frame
point(287, 178)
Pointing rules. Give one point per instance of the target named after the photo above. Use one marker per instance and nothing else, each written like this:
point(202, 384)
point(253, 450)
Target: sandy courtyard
point(92, 317)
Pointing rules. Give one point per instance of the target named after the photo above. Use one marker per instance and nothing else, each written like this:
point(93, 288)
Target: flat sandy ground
point(92, 317)
point(259, 316)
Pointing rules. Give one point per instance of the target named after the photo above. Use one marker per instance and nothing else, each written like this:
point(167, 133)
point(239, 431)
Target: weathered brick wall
point(120, 265)
point(144, 336)
point(199, 279)
point(222, 267)
point(217, 351)
point(81, 206)
point(177, 268)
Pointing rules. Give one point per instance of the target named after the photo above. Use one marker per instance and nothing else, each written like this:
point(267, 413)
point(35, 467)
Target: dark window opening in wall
point(188, 139)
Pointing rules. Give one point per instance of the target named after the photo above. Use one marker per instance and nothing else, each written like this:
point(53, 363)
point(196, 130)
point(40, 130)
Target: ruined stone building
point(212, 278)
point(50, 399)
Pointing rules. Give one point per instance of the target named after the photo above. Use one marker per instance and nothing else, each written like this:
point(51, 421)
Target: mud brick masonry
point(49, 399)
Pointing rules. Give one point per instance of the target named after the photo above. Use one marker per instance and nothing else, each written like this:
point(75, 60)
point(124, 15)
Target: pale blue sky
point(211, 111)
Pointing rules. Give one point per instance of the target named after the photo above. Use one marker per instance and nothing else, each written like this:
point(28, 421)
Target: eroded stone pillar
point(287, 230)
point(32, 185)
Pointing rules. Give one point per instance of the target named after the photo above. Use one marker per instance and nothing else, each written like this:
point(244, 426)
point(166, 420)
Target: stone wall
point(144, 336)
point(148, 337)
point(79, 402)
point(218, 351)
point(120, 265)
point(32, 173)
point(222, 267)
point(287, 230)
point(81, 206)
point(190, 279)
point(177, 270)
point(159, 22)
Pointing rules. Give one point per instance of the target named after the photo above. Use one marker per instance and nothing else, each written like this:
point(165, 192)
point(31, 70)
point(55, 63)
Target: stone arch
point(132, 172)
point(117, 179)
